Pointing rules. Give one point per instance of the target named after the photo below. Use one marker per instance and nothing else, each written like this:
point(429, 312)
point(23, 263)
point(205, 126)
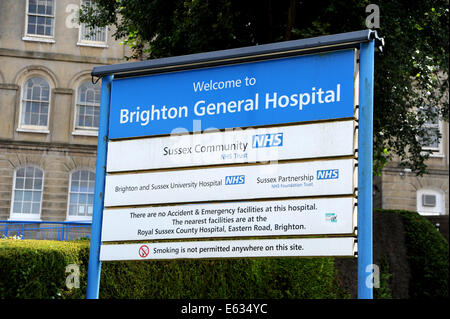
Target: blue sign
point(278, 91)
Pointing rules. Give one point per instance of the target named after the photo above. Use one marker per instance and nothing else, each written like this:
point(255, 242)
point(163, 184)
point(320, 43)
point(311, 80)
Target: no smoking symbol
point(143, 251)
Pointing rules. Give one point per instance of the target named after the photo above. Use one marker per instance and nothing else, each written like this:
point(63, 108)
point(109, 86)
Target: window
point(430, 202)
point(27, 193)
point(433, 135)
point(88, 107)
point(81, 195)
point(433, 141)
point(40, 19)
point(35, 104)
point(91, 36)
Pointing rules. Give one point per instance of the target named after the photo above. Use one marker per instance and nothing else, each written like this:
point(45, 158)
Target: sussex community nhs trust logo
point(267, 140)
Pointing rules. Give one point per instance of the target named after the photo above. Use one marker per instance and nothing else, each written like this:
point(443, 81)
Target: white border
point(78, 131)
point(89, 43)
point(314, 141)
point(231, 183)
point(35, 128)
point(36, 37)
point(431, 211)
point(77, 217)
point(15, 216)
point(299, 247)
point(236, 219)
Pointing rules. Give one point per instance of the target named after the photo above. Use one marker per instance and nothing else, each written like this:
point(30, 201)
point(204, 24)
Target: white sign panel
point(306, 247)
point(331, 177)
point(233, 146)
point(236, 219)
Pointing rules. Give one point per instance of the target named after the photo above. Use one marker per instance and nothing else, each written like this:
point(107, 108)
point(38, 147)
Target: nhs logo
point(328, 174)
point(267, 140)
point(234, 180)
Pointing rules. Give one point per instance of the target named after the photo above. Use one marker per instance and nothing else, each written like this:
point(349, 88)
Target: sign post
point(250, 152)
point(94, 267)
point(365, 162)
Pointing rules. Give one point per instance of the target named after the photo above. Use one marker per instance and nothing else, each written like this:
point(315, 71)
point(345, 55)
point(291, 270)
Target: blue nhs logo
point(234, 180)
point(328, 174)
point(267, 140)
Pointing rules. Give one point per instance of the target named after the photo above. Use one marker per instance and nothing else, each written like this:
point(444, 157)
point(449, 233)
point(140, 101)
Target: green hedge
point(428, 257)
point(423, 252)
point(233, 278)
point(36, 269)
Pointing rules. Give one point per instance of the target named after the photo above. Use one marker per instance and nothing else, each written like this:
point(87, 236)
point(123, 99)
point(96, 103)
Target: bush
point(428, 257)
point(220, 279)
point(412, 254)
point(413, 258)
point(36, 269)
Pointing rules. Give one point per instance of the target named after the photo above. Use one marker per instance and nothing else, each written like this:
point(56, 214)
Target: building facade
point(49, 109)
point(399, 188)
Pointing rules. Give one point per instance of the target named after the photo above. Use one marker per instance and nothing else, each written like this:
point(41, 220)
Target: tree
point(410, 74)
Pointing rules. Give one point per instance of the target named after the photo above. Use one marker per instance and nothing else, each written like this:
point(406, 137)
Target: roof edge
point(244, 54)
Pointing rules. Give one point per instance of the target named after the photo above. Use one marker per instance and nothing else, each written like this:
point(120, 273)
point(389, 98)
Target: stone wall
point(57, 164)
point(64, 60)
point(399, 188)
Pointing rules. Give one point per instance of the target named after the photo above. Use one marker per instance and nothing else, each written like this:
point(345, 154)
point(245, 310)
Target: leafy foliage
point(410, 75)
point(222, 279)
point(428, 258)
point(36, 268)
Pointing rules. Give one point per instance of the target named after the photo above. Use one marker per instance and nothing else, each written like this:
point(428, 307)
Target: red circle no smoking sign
point(143, 251)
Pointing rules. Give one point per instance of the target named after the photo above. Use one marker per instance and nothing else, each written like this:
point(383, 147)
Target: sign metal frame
point(363, 41)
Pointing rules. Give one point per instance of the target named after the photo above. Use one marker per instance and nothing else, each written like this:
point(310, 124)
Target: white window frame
point(21, 216)
point(77, 217)
point(91, 43)
point(38, 37)
point(80, 130)
point(439, 150)
point(430, 211)
point(434, 151)
point(34, 128)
